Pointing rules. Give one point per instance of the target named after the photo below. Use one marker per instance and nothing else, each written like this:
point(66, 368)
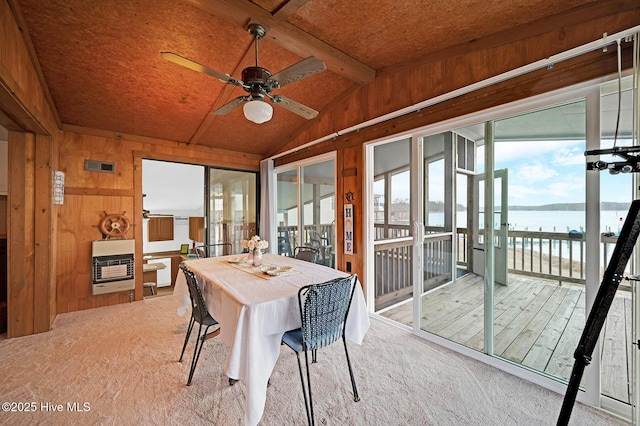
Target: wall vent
point(99, 166)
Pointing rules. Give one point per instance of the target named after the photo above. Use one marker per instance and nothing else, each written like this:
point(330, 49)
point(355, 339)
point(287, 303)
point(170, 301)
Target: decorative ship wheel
point(114, 225)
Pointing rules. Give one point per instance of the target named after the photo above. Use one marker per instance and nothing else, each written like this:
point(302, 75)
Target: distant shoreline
point(605, 205)
point(438, 207)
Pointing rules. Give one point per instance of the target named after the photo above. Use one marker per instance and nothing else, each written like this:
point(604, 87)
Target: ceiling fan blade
point(295, 107)
point(303, 69)
point(230, 106)
point(188, 63)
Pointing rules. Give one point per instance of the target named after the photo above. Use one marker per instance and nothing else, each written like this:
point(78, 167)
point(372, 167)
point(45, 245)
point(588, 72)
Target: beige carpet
point(120, 363)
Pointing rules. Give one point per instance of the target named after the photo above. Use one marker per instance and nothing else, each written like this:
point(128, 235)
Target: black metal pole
point(601, 304)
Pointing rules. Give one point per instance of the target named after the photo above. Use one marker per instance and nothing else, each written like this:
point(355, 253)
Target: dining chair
point(320, 243)
point(310, 254)
point(284, 247)
point(213, 250)
point(323, 309)
point(199, 314)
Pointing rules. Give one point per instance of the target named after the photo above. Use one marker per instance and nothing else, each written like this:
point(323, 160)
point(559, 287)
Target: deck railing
point(393, 272)
point(556, 256)
point(291, 233)
point(550, 255)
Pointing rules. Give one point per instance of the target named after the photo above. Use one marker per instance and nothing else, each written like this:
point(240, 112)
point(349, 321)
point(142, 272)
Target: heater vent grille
point(99, 166)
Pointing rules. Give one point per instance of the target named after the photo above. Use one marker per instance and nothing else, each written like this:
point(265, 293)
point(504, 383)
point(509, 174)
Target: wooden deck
point(537, 324)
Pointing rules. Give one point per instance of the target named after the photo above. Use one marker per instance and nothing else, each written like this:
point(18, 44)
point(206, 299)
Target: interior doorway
point(189, 211)
point(173, 194)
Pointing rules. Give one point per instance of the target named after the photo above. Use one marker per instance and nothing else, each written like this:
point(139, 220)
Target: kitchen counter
point(149, 267)
point(160, 255)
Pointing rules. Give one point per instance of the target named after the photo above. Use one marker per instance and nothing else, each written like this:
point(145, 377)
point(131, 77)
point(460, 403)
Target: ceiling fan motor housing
point(257, 76)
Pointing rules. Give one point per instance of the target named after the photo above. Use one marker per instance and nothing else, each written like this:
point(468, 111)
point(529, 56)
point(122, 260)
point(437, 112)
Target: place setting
point(276, 271)
point(263, 271)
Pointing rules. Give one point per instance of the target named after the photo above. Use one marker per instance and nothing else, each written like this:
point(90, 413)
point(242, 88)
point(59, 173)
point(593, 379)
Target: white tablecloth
point(254, 311)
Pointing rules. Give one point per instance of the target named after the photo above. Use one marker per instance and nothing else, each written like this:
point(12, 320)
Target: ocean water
point(547, 221)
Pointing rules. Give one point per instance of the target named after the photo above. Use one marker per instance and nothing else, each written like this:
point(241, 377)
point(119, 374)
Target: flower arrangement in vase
point(255, 245)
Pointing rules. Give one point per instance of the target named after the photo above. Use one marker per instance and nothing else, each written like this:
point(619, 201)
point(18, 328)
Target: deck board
point(561, 361)
point(614, 354)
point(542, 349)
point(536, 326)
point(537, 323)
point(473, 323)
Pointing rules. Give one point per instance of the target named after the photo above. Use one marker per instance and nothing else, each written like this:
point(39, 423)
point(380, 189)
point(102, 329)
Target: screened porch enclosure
point(395, 226)
point(429, 201)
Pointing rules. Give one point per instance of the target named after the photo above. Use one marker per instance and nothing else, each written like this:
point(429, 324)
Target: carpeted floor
point(118, 365)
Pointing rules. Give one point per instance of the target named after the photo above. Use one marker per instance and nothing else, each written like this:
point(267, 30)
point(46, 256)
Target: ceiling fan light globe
point(257, 111)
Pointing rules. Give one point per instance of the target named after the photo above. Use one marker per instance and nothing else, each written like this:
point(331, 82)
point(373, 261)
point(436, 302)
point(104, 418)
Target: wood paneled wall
point(32, 156)
point(31, 234)
point(3, 216)
point(24, 103)
point(351, 165)
point(88, 195)
point(50, 246)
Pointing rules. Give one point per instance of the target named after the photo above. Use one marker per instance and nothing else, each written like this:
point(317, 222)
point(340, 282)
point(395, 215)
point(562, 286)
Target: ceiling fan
point(258, 82)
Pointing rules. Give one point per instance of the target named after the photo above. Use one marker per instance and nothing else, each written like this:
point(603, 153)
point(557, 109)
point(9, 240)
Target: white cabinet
point(164, 274)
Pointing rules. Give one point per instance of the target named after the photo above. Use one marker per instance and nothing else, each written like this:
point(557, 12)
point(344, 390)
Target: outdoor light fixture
point(258, 111)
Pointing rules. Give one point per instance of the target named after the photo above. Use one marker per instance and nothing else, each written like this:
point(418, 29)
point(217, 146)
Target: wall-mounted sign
point(348, 229)
point(58, 187)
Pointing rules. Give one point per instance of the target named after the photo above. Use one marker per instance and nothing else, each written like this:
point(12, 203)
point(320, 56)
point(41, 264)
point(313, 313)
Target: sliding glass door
point(507, 237)
point(231, 210)
point(305, 200)
point(541, 305)
point(392, 245)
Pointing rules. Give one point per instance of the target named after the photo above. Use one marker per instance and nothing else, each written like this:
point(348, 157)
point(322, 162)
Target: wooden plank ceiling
point(101, 59)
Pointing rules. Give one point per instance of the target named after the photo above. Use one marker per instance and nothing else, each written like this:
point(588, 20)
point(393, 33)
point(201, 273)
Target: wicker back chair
point(323, 310)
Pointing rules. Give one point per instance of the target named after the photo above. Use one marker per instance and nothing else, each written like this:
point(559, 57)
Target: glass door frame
point(298, 166)
point(588, 90)
point(209, 199)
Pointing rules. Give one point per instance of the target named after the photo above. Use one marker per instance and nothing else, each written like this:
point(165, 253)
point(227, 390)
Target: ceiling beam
point(288, 9)
point(290, 37)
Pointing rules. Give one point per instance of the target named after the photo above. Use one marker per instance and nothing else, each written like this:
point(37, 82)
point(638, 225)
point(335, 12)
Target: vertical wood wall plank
point(43, 205)
point(20, 262)
point(352, 159)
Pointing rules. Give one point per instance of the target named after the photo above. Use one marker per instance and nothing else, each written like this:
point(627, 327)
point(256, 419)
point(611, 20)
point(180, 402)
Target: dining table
point(255, 306)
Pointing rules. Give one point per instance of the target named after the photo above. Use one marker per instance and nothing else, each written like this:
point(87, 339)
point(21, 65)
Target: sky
point(554, 172)
point(539, 173)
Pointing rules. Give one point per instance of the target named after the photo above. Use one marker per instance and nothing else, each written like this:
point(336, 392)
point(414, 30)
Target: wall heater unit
point(113, 266)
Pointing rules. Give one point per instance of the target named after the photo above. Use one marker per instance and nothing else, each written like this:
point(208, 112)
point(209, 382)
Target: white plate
point(237, 260)
point(276, 271)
